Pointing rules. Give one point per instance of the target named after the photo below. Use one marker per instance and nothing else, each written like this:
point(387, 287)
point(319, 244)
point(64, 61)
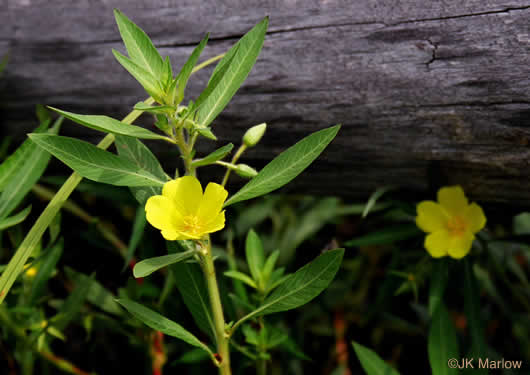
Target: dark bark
point(428, 92)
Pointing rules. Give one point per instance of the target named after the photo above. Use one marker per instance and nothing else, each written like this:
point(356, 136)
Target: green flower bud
point(254, 134)
point(245, 171)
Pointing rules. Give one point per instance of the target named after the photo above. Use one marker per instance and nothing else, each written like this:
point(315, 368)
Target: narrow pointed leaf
point(109, 125)
point(139, 46)
point(45, 271)
point(443, 343)
point(160, 109)
point(302, 286)
point(150, 265)
point(137, 233)
point(144, 77)
point(138, 153)
point(248, 49)
point(187, 68)
point(162, 324)
point(26, 176)
point(218, 154)
point(255, 254)
point(12, 164)
point(95, 164)
point(286, 166)
point(15, 219)
point(371, 362)
point(241, 277)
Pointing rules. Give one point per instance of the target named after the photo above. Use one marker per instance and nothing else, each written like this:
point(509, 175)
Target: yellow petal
point(172, 235)
point(185, 192)
point(437, 243)
point(452, 199)
point(431, 216)
point(475, 218)
point(460, 245)
point(212, 202)
point(162, 213)
point(216, 224)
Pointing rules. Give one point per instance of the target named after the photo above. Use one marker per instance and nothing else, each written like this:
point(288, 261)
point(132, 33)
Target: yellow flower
point(451, 223)
point(183, 212)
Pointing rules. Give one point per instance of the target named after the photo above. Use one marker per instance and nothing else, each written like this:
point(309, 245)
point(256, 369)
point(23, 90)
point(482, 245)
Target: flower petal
point(475, 218)
point(460, 245)
point(452, 199)
point(431, 216)
point(212, 202)
point(437, 243)
point(172, 235)
point(162, 213)
point(216, 224)
point(185, 192)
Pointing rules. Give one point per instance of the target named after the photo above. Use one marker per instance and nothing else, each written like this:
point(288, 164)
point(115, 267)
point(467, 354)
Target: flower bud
point(245, 171)
point(254, 134)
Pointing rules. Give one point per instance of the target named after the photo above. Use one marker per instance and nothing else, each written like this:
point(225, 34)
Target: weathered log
point(427, 92)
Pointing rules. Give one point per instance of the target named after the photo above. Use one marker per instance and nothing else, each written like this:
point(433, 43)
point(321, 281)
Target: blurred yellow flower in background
point(451, 223)
point(183, 212)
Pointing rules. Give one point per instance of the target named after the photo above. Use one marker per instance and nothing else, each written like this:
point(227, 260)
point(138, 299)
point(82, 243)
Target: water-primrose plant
point(178, 206)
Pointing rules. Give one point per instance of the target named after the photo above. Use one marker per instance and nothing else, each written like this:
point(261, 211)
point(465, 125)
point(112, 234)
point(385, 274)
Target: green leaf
point(302, 286)
point(187, 68)
point(192, 287)
point(15, 219)
point(162, 324)
point(206, 133)
point(443, 344)
point(138, 153)
point(472, 310)
point(14, 162)
point(45, 271)
point(110, 125)
point(139, 47)
point(159, 109)
point(73, 304)
point(255, 255)
point(438, 283)
point(137, 234)
point(150, 265)
point(213, 157)
point(268, 268)
point(241, 277)
point(146, 79)
point(97, 294)
point(192, 356)
point(26, 176)
point(95, 164)
point(286, 166)
point(374, 197)
point(371, 362)
point(385, 236)
point(247, 50)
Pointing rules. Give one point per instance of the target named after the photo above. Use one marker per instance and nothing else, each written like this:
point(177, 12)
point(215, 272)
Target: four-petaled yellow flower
point(451, 223)
point(183, 212)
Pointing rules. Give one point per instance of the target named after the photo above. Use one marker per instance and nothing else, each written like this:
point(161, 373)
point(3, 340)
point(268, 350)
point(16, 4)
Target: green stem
point(234, 160)
point(262, 367)
point(217, 311)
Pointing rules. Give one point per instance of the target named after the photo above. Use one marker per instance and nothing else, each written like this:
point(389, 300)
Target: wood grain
point(428, 93)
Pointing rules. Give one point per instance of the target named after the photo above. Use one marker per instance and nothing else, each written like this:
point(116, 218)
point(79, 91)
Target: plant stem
point(234, 160)
point(262, 367)
point(217, 311)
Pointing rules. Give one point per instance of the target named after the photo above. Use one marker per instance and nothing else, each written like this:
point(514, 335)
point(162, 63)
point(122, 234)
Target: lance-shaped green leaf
point(95, 164)
point(15, 219)
point(109, 125)
point(136, 236)
point(241, 277)
point(300, 287)
point(159, 109)
point(371, 362)
point(213, 157)
point(139, 47)
point(12, 164)
point(144, 77)
point(255, 255)
point(138, 153)
point(26, 176)
point(438, 283)
point(286, 166)
point(150, 265)
point(192, 287)
point(162, 324)
point(247, 51)
point(187, 68)
point(443, 343)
